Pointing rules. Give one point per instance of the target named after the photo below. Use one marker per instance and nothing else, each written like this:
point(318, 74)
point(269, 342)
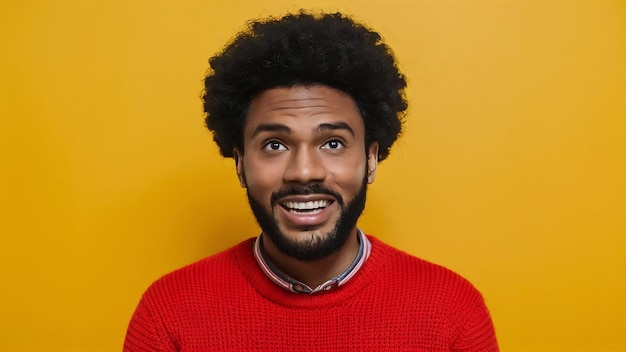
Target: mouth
point(306, 208)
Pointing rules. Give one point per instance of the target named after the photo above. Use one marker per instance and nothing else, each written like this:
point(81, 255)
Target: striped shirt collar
point(291, 284)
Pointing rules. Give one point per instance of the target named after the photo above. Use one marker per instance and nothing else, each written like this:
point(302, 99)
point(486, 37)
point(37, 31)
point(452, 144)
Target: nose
point(305, 166)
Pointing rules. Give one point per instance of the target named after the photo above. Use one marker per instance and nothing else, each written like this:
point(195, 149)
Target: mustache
point(297, 190)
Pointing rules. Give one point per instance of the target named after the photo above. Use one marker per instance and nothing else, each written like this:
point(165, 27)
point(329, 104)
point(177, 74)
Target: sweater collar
point(288, 283)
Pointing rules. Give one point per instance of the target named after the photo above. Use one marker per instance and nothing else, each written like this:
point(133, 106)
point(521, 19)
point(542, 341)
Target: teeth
point(312, 205)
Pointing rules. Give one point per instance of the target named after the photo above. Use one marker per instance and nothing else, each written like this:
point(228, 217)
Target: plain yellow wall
point(512, 169)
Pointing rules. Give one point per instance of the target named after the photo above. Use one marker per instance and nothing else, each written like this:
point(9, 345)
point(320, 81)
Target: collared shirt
point(291, 284)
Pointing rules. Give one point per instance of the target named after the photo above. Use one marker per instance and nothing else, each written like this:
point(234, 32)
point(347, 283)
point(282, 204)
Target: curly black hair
point(305, 49)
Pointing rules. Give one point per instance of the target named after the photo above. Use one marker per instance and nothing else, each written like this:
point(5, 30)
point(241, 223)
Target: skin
point(297, 137)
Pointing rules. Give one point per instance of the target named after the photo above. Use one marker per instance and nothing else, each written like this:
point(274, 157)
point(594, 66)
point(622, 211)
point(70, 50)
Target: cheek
point(349, 178)
point(261, 180)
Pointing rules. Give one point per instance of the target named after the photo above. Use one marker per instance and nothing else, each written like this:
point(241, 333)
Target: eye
point(275, 146)
point(333, 145)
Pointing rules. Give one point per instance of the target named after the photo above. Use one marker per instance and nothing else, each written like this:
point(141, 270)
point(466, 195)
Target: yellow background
point(512, 169)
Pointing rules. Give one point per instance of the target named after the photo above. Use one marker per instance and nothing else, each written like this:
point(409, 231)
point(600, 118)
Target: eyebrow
point(336, 126)
point(276, 127)
point(270, 127)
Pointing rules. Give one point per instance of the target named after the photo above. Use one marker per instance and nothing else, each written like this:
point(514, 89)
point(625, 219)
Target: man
point(308, 105)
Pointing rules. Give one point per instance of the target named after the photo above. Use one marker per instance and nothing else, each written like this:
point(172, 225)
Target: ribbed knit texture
point(396, 302)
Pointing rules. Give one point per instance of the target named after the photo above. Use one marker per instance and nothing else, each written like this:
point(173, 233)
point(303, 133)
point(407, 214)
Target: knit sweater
point(395, 302)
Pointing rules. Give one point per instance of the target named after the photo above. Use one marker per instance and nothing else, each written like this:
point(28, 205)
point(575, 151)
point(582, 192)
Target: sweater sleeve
point(477, 333)
point(146, 333)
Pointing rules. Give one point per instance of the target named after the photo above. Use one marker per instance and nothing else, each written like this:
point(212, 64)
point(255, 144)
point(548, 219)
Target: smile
point(306, 208)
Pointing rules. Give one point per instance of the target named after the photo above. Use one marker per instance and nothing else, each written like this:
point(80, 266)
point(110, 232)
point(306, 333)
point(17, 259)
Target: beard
point(317, 246)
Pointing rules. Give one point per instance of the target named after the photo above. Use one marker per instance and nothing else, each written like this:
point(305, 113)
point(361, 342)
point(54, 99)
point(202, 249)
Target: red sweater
point(396, 302)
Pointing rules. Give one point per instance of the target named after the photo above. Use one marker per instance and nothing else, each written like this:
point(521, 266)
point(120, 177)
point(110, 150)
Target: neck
point(316, 272)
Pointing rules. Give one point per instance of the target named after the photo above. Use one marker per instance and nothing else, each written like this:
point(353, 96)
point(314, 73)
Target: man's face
point(306, 168)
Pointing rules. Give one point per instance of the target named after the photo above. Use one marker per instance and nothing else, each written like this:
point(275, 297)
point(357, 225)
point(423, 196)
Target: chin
point(308, 245)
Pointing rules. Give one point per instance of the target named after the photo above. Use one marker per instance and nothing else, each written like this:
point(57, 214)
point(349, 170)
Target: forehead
point(302, 107)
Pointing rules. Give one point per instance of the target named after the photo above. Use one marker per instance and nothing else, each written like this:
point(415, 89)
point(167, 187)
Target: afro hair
point(305, 49)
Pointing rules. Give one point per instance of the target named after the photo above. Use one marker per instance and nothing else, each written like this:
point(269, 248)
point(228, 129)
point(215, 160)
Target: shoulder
point(432, 292)
point(175, 304)
point(433, 295)
point(211, 274)
point(423, 278)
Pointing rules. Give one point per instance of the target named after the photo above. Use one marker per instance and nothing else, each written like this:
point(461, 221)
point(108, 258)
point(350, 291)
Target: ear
point(241, 175)
point(372, 162)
